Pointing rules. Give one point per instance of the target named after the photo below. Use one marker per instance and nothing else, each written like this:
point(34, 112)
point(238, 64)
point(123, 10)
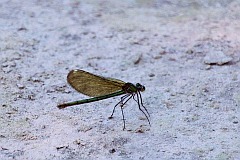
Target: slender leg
point(122, 110)
point(121, 101)
point(123, 117)
point(140, 97)
point(142, 104)
point(139, 106)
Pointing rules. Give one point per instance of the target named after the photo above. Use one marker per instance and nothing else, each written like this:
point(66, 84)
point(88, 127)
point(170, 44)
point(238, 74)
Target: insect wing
point(93, 85)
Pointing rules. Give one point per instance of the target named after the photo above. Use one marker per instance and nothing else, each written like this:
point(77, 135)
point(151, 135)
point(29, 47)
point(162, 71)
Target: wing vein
point(93, 85)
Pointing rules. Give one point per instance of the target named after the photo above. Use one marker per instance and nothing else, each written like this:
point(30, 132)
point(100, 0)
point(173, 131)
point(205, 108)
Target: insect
point(100, 88)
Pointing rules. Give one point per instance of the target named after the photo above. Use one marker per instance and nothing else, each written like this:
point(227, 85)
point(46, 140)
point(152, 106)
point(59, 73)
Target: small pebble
point(20, 86)
point(216, 57)
point(151, 75)
point(235, 122)
point(112, 150)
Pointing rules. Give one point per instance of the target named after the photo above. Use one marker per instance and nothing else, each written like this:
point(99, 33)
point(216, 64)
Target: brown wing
point(93, 85)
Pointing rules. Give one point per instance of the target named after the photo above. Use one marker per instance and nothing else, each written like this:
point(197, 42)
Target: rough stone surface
point(216, 57)
point(194, 107)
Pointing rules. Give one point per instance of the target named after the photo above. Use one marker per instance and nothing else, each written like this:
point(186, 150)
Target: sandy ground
point(187, 54)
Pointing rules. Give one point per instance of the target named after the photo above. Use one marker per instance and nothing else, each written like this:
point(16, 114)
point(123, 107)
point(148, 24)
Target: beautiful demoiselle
point(101, 88)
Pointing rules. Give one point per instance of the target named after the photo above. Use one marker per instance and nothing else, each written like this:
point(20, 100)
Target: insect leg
point(122, 109)
point(142, 103)
point(139, 106)
point(121, 101)
point(123, 117)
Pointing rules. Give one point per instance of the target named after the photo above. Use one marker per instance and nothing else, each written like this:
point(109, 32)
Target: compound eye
point(140, 87)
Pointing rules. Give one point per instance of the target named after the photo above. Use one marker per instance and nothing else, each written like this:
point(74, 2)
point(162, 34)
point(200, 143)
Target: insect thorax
point(129, 88)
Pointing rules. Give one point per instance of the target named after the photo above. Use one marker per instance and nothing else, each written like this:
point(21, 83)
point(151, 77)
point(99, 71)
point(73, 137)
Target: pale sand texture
point(186, 54)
